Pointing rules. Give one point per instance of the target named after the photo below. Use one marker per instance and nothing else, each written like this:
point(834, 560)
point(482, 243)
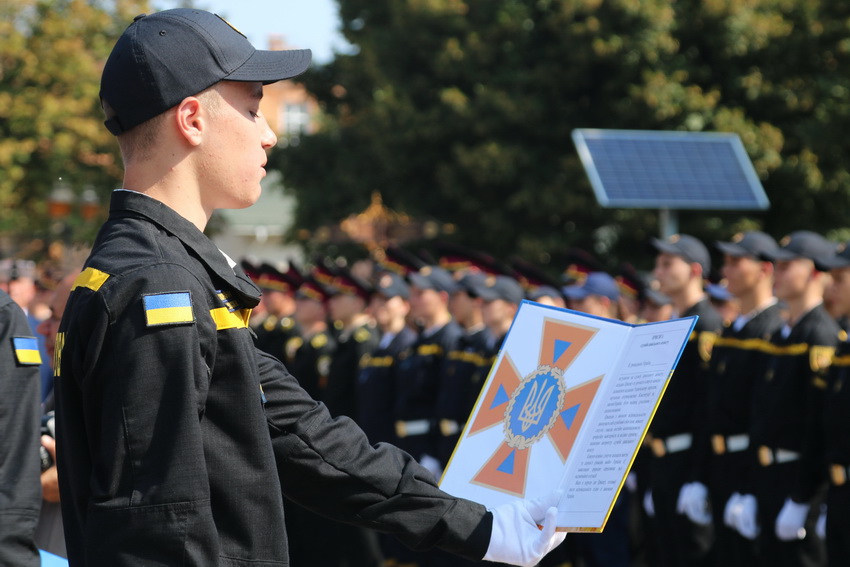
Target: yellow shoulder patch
point(90, 278)
point(705, 344)
point(362, 335)
point(319, 340)
point(820, 357)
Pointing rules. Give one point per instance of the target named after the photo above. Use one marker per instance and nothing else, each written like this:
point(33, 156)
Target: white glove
point(649, 504)
point(790, 521)
point(632, 482)
point(747, 522)
point(820, 526)
point(693, 502)
point(732, 511)
point(516, 538)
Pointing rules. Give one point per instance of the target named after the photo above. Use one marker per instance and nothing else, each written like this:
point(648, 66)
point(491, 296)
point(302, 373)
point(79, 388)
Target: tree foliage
point(461, 110)
point(51, 56)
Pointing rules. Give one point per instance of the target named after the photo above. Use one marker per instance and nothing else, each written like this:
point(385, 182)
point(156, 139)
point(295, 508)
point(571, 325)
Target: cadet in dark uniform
point(420, 367)
point(680, 268)
point(308, 356)
point(836, 425)
point(357, 337)
point(376, 381)
point(721, 461)
point(455, 395)
point(278, 325)
point(788, 401)
point(176, 437)
point(20, 488)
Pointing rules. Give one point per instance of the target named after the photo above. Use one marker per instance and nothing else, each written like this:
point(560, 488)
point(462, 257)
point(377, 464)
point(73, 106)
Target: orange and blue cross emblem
point(535, 407)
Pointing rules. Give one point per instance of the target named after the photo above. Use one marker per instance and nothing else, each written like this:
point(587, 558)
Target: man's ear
point(190, 120)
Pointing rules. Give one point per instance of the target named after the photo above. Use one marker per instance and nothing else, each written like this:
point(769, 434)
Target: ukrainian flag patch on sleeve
point(26, 351)
point(168, 308)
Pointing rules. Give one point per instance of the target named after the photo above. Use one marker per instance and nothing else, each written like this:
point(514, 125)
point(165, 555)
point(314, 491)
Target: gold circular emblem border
point(516, 440)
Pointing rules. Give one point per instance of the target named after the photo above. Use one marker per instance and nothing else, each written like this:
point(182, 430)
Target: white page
point(506, 452)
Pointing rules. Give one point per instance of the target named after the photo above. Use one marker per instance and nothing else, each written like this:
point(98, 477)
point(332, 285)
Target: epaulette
point(270, 323)
point(90, 278)
point(292, 346)
point(319, 340)
point(705, 344)
point(362, 335)
point(287, 323)
point(820, 357)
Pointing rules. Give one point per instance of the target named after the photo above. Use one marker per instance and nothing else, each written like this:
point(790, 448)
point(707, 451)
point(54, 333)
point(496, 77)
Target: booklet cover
point(566, 404)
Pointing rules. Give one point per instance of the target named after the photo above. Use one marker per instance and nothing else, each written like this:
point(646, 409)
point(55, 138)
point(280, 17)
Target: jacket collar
point(125, 203)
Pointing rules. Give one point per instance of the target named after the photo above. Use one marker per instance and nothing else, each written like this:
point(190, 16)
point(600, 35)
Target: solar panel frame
point(647, 169)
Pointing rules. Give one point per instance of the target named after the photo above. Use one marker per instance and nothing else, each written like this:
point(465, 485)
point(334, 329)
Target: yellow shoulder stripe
point(225, 319)
point(90, 278)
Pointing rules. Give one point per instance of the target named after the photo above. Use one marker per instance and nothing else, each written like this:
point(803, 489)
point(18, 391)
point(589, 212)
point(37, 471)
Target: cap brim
point(421, 281)
point(576, 292)
point(835, 262)
point(271, 66)
point(732, 249)
point(665, 247)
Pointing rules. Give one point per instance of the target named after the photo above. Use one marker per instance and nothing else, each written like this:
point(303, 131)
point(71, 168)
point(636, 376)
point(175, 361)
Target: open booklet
point(567, 404)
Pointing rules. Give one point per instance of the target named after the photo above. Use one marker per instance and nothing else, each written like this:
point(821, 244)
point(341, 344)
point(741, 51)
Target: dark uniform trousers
point(20, 488)
point(681, 411)
point(836, 428)
point(785, 426)
point(722, 463)
point(177, 438)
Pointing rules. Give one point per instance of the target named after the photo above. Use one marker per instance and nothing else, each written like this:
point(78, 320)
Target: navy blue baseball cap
point(392, 285)
point(597, 283)
point(433, 277)
point(754, 243)
point(686, 247)
point(841, 258)
point(505, 288)
point(805, 244)
point(164, 57)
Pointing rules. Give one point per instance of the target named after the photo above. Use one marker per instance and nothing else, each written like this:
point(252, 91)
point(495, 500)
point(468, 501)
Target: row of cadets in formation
point(749, 448)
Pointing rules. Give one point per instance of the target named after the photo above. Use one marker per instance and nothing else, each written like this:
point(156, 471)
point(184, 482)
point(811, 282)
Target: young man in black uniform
point(680, 268)
point(20, 489)
point(454, 394)
point(308, 355)
point(835, 449)
point(278, 326)
point(177, 437)
point(782, 507)
point(420, 366)
point(721, 455)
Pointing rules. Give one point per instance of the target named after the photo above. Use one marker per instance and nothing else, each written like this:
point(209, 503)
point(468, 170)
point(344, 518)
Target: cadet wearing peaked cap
point(537, 284)
point(630, 286)
point(579, 264)
point(308, 355)
point(275, 330)
point(681, 264)
point(787, 475)
point(722, 452)
point(356, 338)
point(400, 261)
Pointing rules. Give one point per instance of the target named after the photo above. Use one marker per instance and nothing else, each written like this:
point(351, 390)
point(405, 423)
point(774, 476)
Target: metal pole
point(668, 222)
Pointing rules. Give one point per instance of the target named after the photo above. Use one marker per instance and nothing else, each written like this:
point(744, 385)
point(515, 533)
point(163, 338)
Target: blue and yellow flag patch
point(26, 351)
point(168, 308)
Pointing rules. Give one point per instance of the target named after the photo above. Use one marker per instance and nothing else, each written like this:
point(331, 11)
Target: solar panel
point(669, 170)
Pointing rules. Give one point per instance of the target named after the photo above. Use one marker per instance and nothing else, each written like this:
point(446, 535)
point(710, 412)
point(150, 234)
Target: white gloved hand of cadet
point(516, 538)
point(693, 502)
point(747, 522)
point(820, 526)
point(649, 503)
point(732, 512)
point(790, 521)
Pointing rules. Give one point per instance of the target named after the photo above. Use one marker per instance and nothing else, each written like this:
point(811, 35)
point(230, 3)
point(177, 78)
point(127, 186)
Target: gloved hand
point(790, 521)
point(432, 464)
point(732, 511)
point(747, 522)
point(693, 502)
point(820, 526)
point(649, 504)
point(516, 539)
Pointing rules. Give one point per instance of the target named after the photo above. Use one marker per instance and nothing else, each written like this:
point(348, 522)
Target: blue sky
point(312, 24)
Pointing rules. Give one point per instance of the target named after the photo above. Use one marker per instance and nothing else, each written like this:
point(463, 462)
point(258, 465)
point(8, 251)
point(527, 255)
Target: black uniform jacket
point(376, 388)
point(737, 359)
point(177, 437)
point(837, 409)
point(20, 387)
point(682, 409)
point(788, 401)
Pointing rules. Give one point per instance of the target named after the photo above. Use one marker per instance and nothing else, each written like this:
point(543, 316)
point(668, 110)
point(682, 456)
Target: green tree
point(51, 56)
point(462, 111)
